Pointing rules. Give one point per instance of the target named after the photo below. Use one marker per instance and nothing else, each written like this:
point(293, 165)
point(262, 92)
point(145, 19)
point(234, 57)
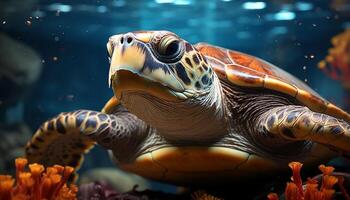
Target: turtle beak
point(124, 54)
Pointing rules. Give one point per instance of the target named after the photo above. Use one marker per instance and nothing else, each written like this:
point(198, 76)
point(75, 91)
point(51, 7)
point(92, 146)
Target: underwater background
point(53, 53)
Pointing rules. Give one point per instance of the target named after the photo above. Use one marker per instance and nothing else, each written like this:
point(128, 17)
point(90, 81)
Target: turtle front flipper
point(65, 138)
point(300, 123)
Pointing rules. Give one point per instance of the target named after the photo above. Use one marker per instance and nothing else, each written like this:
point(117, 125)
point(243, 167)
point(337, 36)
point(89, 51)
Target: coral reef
point(202, 195)
point(97, 190)
point(121, 181)
point(104, 191)
point(312, 190)
point(37, 183)
point(337, 63)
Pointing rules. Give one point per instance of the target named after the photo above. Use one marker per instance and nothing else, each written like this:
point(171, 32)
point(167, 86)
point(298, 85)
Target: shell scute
point(311, 101)
point(244, 76)
point(144, 165)
point(239, 59)
point(337, 112)
point(220, 71)
point(192, 164)
point(251, 62)
point(214, 52)
point(280, 86)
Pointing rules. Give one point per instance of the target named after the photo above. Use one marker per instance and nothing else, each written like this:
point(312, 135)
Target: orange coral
point(272, 196)
point(297, 186)
point(337, 62)
point(37, 183)
point(312, 191)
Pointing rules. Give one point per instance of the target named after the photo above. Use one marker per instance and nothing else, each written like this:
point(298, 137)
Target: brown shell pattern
point(249, 71)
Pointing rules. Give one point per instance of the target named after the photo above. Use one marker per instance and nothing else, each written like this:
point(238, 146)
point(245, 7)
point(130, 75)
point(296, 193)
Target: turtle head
point(159, 63)
point(167, 83)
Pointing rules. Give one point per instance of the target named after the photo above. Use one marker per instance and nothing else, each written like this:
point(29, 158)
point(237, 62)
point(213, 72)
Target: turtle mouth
point(126, 80)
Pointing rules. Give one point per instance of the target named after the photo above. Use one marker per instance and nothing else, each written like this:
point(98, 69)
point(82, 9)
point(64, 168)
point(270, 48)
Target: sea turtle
point(190, 114)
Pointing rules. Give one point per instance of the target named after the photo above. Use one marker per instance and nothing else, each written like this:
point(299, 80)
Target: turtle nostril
point(121, 40)
point(129, 40)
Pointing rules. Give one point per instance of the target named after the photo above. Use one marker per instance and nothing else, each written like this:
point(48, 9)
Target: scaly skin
point(300, 123)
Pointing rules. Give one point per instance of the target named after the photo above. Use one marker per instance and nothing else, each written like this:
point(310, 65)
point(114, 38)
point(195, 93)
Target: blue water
point(70, 37)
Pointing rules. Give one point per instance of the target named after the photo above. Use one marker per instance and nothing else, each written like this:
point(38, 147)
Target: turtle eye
point(169, 47)
point(109, 49)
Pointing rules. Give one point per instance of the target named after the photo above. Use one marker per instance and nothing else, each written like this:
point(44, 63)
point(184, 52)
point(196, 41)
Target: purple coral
point(103, 191)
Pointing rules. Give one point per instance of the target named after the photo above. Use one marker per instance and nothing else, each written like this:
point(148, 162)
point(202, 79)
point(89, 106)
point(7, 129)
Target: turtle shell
point(249, 71)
